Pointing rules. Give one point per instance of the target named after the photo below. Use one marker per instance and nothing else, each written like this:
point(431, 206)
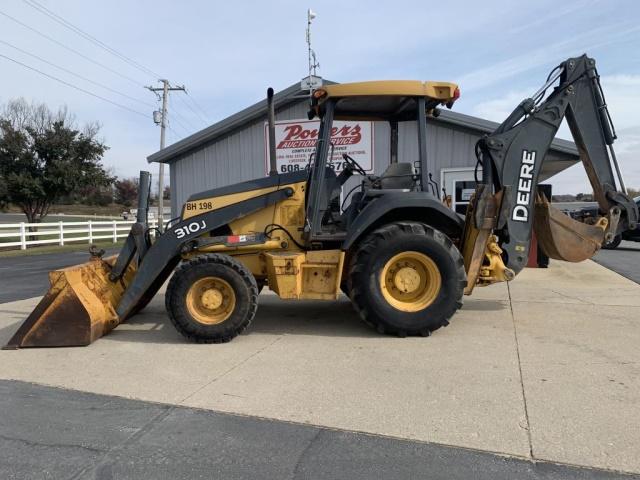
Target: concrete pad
point(581, 374)
point(310, 362)
point(574, 284)
point(460, 387)
point(580, 363)
point(144, 358)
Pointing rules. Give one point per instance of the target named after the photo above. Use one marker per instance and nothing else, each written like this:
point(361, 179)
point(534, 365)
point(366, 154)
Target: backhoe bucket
point(563, 238)
point(78, 308)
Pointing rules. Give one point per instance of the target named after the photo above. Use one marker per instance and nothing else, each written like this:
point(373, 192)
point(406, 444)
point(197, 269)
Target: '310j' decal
point(193, 227)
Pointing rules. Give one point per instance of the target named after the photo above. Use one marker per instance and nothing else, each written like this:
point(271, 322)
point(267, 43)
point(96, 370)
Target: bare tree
point(38, 117)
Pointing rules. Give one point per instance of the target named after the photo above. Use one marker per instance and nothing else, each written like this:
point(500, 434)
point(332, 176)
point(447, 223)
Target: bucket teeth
point(78, 308)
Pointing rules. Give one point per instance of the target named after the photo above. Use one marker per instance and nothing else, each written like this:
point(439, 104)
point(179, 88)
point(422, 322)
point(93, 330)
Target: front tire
point(211, 298)
point(407, 279)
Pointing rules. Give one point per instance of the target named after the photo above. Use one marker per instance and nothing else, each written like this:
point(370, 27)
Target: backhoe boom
point(512, 158)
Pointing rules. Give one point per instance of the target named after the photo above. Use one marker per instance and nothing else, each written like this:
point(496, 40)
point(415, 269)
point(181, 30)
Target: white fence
point(61, 233)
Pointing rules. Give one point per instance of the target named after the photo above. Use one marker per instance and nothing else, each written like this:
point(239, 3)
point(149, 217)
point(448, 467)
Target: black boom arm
point(512, 156)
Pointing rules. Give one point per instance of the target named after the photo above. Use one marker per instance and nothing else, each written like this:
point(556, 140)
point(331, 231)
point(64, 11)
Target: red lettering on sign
point(298, 137)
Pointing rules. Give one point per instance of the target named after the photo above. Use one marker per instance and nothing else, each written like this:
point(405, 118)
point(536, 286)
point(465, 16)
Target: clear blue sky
point(227, 53)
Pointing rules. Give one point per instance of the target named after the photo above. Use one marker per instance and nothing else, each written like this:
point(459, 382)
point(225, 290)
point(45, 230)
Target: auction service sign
point(296, 141)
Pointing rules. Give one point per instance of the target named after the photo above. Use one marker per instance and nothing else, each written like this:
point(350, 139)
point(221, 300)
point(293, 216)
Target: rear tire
point(407, 279)
point(613, 244)
point(212, 298)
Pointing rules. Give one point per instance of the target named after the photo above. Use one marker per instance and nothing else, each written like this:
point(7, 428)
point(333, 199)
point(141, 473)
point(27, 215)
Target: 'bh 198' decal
point(520, 212)
point(193, 227)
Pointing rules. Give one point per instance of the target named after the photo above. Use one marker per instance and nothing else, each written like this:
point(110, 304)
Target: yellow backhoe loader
point(402, 256)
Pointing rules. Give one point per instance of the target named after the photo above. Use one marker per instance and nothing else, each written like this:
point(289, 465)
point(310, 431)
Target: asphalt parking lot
point(538, 379)
point(624, 260)
point(97, 436)
point(28, 276)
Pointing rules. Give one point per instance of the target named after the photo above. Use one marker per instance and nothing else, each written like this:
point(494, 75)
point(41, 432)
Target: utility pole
point(165, 89)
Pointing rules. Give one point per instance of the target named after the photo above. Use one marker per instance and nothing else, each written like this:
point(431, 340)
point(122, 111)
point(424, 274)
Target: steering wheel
point(355, 166)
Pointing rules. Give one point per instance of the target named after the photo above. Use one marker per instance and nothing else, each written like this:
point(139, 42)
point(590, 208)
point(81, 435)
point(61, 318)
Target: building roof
point(294, 94)
point(256, 111)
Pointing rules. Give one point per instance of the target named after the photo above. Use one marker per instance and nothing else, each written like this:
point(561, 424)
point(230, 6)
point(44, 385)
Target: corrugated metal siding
point(241, 155)
point(234, 158)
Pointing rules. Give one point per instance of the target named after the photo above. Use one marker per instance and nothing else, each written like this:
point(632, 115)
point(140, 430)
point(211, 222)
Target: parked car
point(584, 214)
point(131, 215)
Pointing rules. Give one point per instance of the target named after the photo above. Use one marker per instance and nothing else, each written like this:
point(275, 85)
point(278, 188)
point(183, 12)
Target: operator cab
point(391, 101)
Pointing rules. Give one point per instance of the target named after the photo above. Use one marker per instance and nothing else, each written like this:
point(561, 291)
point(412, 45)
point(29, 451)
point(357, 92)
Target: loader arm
point(87, 301)
point(506, 205)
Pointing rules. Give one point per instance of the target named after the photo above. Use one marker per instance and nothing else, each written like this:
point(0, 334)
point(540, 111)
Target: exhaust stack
point(271, 116)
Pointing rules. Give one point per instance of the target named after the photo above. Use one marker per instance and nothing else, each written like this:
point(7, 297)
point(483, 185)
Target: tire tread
point(370, 246)
point(176, 315)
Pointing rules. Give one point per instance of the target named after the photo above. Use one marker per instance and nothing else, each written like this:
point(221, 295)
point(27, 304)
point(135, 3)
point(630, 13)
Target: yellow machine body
point(290, 272)
point(312, 275)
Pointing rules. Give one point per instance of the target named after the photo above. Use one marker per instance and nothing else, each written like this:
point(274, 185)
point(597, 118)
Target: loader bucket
point(78, 308)
point(563, 238)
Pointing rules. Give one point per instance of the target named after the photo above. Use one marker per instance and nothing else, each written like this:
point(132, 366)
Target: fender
point(418, 206)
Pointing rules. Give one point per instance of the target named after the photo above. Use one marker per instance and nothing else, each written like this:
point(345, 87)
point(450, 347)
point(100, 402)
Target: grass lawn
point(113, 210)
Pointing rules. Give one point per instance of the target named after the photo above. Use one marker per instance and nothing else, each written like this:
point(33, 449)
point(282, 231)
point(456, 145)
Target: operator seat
point(398, 176)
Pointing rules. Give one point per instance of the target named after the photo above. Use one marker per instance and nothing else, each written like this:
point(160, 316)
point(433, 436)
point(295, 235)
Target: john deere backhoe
point(398, 252)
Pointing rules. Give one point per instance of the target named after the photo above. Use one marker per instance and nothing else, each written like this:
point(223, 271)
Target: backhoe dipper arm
point(512, 156)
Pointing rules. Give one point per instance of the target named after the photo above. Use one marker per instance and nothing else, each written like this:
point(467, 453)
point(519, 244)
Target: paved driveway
point(102, 437)
point(625, 260)
point(27, 276)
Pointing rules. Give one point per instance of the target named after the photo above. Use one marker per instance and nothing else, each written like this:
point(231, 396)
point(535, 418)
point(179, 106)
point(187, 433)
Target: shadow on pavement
point(308, 317)
point(7, 332)
point(484, 305)
point(274, 317)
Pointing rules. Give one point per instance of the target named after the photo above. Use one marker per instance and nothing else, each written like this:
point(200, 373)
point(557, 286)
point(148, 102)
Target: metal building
point(235, 149)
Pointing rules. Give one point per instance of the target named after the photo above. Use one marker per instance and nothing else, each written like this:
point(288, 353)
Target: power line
point(70, 72)
point(198, 114)
point(192, 109)
point(180, 119)
point(178, 122)
point(70, 49)
point(178, 116)
point(198, 106)
point(74, 86)
point(87, 36)
point(175, 113)
point(176, 136)
point(57, 18)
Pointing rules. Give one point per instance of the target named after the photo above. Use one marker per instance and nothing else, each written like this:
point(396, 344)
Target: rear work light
point(456, 96)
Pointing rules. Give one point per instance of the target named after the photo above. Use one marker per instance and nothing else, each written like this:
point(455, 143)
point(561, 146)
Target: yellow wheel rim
point(410, 281)
point(211, 300)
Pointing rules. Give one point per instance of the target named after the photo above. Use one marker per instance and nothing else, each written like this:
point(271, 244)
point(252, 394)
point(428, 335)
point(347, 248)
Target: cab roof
point(385, 99)
point(444, 91)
